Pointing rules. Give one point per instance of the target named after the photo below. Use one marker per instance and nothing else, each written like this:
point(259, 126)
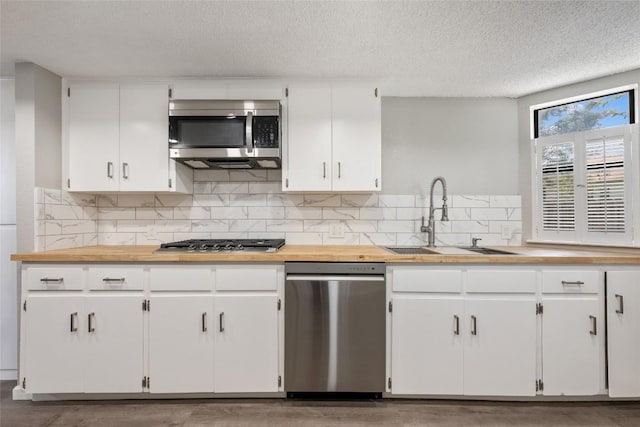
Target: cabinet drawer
point(422, 280)
point(180, 279)
point(501, 281)
point(249, 278)
point(571, 282)
point(116, 278)
point(55, 278)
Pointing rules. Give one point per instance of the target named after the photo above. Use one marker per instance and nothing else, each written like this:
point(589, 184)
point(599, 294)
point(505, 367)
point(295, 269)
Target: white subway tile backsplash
point(192, 212)
point(275, 175)
point(285, 225)
point(248, 175)
point(340, 213)
point(241, 204)
point(320, 199)
point(396, 201)
point(211, 175)
point(154, 213)
point(266, 212)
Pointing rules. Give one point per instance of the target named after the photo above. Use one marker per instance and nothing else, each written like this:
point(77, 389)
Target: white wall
point(524, 135)
point(8, 269)
point(38, 142)
point(472, 142)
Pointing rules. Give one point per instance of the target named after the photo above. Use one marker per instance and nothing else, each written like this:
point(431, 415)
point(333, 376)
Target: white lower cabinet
point(71, 341)
point(500, 347)
point(571, 346)
point(181, 339)
point(427, 345)
point(246, 346)
point(572, 332)
point(623, 333)
point(54, 355)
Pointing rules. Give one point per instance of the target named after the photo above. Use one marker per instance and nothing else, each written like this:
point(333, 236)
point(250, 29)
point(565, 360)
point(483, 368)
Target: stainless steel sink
point(411, 250)
point(485, 251)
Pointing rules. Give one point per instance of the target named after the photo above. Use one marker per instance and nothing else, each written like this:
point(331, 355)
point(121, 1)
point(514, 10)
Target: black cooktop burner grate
point(218, 245)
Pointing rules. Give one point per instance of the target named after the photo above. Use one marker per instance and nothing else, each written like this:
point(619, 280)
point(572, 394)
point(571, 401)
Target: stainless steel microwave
point(225, 134)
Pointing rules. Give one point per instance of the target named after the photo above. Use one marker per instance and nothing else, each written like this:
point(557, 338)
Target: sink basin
point(411, 250)
point(485, 251)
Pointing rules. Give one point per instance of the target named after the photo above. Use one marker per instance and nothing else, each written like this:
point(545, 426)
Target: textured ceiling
point(428, 48)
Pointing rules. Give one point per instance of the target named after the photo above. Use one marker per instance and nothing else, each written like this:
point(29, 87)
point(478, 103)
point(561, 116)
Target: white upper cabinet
point(117, 139)
point(334, 138)
point(247, 89)
point(93, 137)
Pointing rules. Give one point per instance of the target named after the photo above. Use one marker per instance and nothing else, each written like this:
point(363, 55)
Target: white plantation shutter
point(605, 162)
point(584, 185)
point(558, 198)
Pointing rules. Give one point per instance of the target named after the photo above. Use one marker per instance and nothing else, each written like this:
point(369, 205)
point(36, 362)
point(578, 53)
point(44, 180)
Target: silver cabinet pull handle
point(109, 169)
point(456, 325)
point(339, 170)
point(74, 325)
point(575, 282)
point(111, 279)
point(204, 322)
point(474, 325)
point(249, 132)
point(125, 170)
point(593, 330)
point(49, 280)
point(90, 319)
point(620, 300)
point(376, 182)
point(324, 170)
point(222, 322)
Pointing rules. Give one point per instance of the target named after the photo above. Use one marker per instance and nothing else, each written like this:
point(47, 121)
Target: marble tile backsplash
point(251, 204)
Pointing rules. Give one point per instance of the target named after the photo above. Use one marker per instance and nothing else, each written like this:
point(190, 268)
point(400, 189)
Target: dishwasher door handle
point(334, 278)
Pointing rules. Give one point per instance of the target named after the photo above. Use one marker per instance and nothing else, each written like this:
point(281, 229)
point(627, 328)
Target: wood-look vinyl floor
point(283, 412)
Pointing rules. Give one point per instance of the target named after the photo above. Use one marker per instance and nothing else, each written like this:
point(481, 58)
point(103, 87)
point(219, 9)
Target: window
point(583, 183)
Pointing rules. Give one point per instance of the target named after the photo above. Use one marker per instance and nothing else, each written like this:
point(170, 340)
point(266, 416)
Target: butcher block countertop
point(533, 254)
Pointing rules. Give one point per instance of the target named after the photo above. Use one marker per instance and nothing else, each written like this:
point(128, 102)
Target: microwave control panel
point(265, 132)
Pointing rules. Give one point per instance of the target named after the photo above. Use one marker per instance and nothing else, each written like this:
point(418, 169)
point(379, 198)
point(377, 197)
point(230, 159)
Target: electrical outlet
point(506, 231)
point(336, 231)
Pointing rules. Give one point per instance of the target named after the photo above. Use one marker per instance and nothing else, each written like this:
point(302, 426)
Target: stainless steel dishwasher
point(334, 327)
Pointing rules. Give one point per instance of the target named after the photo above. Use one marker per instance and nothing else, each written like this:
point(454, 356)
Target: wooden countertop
point(534, 254)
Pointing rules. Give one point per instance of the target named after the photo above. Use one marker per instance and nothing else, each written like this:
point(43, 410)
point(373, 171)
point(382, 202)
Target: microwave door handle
point(249, 132)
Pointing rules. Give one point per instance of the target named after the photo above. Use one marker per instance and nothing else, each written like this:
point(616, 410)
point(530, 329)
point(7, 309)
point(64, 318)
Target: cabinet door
point(93, 155)
point(623, 332)
point(426, 346)
point(357, 143)
point(113, 326)
point(570, 346)
point(246, 348)
point(144, 137)
point(309, 138)
point(54, 348)
point(181, 335)
point(500, 347)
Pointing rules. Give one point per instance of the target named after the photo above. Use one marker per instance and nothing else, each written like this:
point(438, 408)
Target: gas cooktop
point(223, 245)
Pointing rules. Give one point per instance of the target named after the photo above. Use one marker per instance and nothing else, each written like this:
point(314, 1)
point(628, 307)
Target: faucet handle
point(474, 242)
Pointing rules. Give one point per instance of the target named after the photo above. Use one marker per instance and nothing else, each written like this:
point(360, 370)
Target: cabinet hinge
point(170, 183)
point(279, 304)
point(286, 182)
point(539, 308)
point(170, 92)
point(279, 381)
point(68, 182)
point(539, 385)
point(24, 383)
point(375, 92)
point(389, 383)
point(24, 306)
point(390, 307)
point(286, 91)
point(68, 92)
